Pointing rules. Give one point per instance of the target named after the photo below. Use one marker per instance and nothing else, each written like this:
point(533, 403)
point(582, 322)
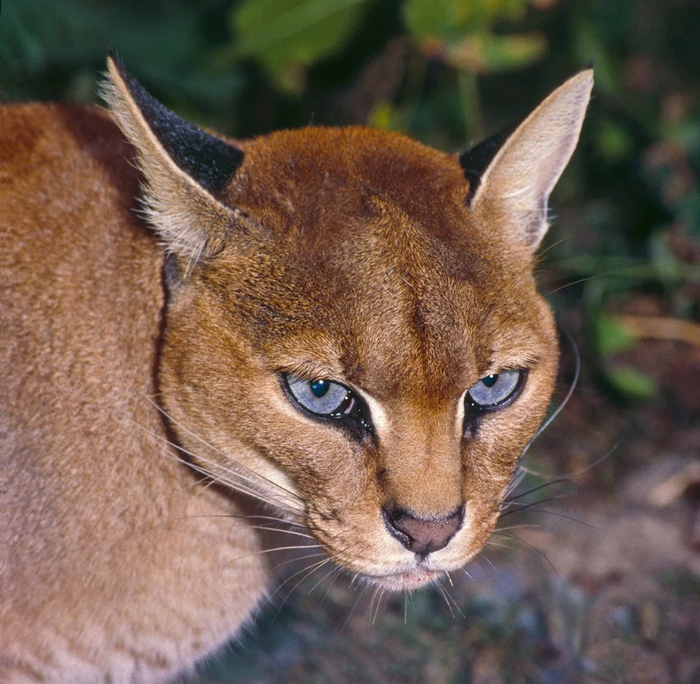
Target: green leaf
point(611, 337)
point(383, 116)
point(54, 50)
point(665, 262)
point(614, 142)
point(486, 52)
point(444, 20)
point(632, 383)
point(286, 36)
point(438, 25)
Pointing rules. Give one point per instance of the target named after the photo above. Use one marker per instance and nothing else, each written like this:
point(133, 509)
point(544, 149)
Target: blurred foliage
point(446, 72)
point(462, 33)
point(287, 36)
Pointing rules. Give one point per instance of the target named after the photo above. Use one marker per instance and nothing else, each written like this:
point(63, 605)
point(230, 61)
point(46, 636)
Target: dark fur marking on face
point(382, 477)
point(210, 161)
point(332, 515)
point(476, 159)
point(172, 275)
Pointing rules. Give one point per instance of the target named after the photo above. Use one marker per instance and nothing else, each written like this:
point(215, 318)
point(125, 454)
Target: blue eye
point(323, 397)
point(330, 401)
point(493, 390)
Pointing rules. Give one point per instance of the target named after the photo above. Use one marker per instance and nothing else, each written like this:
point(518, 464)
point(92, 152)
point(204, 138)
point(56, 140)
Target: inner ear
point(512, 174)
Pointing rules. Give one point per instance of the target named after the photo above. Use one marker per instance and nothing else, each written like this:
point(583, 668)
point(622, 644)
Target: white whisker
point(442, 593)
point(338, 572)
point(299, 558)
point(539, 552)
point(274, 529)
point(264, 551)
point(451, 598)
point(310, 570)
point(379, 603)
point(221, 453)
point(218, 478)
point(352, 610)
point(298, 572)
point(328, 574)
point(371, 605)
point(560, 408)
point(281, 521)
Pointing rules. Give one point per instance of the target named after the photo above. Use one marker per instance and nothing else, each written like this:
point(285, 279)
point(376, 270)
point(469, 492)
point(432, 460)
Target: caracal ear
point(185, 168)
point(511, 175)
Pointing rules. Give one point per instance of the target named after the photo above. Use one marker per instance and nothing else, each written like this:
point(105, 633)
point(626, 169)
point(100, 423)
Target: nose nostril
point(419, 535)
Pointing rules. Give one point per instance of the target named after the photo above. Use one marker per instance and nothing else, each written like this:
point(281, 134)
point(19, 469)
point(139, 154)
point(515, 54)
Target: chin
point(415, 578)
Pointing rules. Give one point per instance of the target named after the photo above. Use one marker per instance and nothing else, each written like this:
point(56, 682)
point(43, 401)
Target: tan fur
point(346, 254)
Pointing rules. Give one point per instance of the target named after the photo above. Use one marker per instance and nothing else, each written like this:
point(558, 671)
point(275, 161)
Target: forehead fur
point(361, 253)
point(303, 170)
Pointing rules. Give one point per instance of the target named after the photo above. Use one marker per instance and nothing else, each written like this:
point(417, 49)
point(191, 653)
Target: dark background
point(610, 588)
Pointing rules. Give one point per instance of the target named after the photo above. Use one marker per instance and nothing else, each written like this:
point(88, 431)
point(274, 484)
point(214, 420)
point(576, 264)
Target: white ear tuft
point(515, 186)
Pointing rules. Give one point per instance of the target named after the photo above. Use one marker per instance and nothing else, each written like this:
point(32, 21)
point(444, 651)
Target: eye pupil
point(490, 380)
point(319, 388)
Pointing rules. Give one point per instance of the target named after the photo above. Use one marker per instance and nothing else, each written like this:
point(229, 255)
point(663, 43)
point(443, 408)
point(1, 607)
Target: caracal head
point(352, 324)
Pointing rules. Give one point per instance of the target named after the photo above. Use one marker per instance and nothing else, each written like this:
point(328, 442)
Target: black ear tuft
point(208, 160)
point(477, 159)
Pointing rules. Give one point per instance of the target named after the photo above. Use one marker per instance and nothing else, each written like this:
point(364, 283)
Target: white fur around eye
point(494, 389)
point(377, 412)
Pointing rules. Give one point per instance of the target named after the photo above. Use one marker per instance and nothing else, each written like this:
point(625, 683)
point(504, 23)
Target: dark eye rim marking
point(358, 421)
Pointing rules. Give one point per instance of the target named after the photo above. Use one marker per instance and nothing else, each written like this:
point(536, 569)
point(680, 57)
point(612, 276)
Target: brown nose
point(418, 535)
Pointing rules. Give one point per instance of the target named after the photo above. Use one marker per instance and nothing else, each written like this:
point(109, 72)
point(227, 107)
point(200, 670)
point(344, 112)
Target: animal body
point(334, 329)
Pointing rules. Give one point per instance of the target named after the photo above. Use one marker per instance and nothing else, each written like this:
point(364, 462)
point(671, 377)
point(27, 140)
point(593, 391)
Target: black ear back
point(476, 159)
point(208, 160)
